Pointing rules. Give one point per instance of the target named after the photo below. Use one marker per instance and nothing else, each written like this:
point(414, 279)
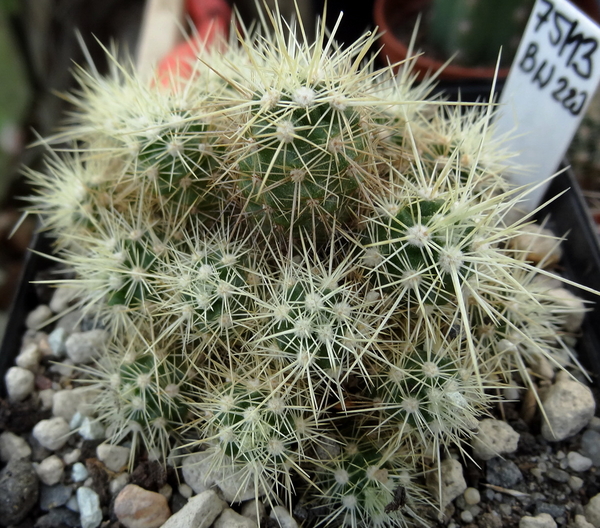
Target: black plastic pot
point(568, 216)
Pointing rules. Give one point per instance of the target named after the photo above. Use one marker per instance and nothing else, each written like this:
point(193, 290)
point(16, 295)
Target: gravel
point(50, 449)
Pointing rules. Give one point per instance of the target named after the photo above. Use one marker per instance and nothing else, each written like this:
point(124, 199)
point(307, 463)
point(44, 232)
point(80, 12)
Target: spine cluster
point(304, 265)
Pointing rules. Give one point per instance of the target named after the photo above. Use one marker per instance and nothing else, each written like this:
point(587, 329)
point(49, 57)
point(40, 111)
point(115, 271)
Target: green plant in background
point(14, 94)
point(475, 30)
point(304, 266)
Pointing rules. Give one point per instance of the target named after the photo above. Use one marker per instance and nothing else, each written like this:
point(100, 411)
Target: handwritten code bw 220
point(571, 62)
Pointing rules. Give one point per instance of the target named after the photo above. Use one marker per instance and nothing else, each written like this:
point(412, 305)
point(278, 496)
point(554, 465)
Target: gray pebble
point(504, 473)
point(554, 510)
point(475, 510)
point(79, 472)
point(57, 339)
point(70, 322)
point(578, 462)
point(558, 475)
point(590, 446)
point(58, 518)
point(19, 489)
point(90, 513)
point(83, 347)
point(594, 424)
point(54, 496)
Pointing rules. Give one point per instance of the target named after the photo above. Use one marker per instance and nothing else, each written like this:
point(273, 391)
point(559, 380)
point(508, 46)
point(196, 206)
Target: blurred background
point(39, 46)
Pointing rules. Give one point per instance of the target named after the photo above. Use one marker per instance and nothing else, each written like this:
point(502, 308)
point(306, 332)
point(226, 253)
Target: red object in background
point(211, 19)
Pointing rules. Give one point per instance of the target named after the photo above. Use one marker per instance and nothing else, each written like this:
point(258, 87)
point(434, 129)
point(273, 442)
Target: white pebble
point(578, 462)
point(52, 434)
point(185, 491)
point(472, 496)
point(196, 472)
point(83, 347)
point(50, 470)
point(199, 512)
point(91, 429)
point(282, 517)
point(543, 520)
point(76, 421)
point(61, 298)
point(494, 437)
point(570, 308)
point(575, 483)
point(568, 405)
point(29, 357)
point(57, 341)
point(452, 482)
point(46, 398)
point(114, 457)
point(539, 244)
point(68, 402)
point(592, 510)
point(65, 368)
point(19, 383)
point(466, 516)
point(232, 519)
point(79, 472)
point(90, 513)
point(72, 456)
point(118, 483)
point(255, 510)
point(166, 491)
point(13, 447)
point(512, 392)
point(582, 522)
point(38, 317)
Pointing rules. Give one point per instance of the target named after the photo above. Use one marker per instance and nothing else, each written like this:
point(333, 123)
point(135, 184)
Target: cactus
point(140, 386)
point(476, 30)
point(366, 489)
point(304, 266)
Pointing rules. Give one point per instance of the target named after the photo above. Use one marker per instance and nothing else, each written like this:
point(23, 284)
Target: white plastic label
point(551, 82)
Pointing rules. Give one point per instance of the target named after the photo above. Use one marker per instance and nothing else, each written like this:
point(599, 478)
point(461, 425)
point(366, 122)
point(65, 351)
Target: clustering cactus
point(304, 266)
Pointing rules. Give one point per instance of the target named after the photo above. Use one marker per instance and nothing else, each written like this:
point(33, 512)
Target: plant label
point(551, 82)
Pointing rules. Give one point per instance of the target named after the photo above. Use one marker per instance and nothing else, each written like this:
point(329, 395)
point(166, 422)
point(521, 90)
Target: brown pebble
point(529, 406)
point(44, 346)
point(100, 478)
point(150, 475)
point(42, 382)
point(136, 507)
